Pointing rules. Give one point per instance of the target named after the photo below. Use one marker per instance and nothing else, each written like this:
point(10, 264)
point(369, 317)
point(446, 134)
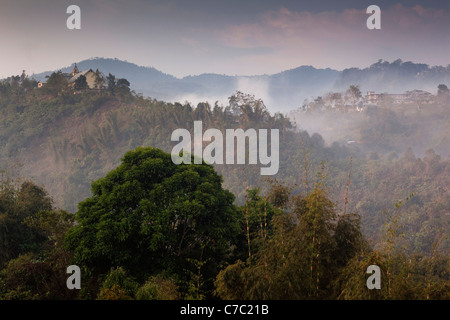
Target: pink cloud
point(275, 27)
point(338, 38)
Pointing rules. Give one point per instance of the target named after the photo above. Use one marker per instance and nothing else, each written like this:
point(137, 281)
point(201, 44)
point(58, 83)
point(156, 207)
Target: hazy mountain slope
point(289, 88)
point(282, 91)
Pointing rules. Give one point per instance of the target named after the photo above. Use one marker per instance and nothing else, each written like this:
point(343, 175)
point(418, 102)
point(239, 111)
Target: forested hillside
point(351, 205)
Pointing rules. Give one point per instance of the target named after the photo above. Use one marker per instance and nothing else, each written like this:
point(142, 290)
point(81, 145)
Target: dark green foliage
point(33, 260)
point(23, 278)
point(150, 215)
point(348, 237)
point(158, 288)
point(16, 206)
point(56, 84)
point(118, 285)
point(297, 261)
point(111, 82)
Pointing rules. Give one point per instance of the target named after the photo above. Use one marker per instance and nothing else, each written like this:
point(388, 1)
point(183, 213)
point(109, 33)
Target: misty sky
point(243, 37)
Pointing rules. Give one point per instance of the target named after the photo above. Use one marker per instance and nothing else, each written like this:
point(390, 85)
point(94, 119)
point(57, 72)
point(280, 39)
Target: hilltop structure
point(95, 79)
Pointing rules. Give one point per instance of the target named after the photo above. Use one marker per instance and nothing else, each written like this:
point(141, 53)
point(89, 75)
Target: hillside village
point(409, 97)
point(353, 100)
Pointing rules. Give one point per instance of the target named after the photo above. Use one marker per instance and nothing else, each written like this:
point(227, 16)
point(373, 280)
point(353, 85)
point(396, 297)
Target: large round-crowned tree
point(152, 216)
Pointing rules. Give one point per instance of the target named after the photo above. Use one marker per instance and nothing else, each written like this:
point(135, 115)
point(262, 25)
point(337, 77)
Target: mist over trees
point(372, 189)
point(386, 127)
point(281, 91)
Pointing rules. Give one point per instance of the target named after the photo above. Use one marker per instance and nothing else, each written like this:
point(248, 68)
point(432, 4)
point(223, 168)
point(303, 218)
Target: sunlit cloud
point(341, 39)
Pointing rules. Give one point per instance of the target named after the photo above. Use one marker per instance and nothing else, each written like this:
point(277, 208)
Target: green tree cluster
point(301, 257)
point(160, 231)
point(315, 252)
point(33, 260)
point(151, 217)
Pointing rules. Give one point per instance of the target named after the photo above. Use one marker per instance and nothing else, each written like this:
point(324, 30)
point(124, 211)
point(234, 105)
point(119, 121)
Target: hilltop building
point(94, 79)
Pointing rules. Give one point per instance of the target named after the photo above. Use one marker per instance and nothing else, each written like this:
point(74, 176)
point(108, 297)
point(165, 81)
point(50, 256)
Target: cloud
point(341, 39)
point(259, 87)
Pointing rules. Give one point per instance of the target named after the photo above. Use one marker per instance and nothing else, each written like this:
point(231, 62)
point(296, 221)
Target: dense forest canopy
point(72, 191)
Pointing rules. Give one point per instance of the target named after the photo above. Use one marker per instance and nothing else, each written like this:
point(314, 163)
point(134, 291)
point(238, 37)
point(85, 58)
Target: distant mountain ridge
point(282, 91)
